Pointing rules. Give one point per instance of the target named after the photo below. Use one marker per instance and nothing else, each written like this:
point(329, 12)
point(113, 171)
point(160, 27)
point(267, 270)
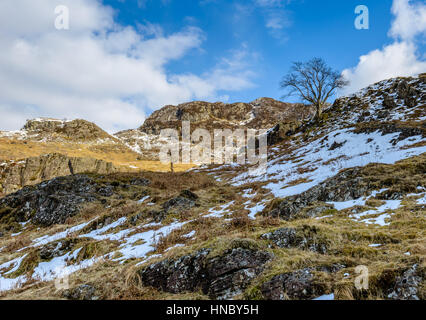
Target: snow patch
point(99, 233)
point(219, 213)
point(61, 235)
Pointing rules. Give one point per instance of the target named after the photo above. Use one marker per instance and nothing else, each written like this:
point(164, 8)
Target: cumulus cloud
point(400, 58)
point(410, 19)
point(99, 70)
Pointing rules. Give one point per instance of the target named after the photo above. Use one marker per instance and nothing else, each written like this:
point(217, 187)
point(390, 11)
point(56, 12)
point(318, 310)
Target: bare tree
point(314, 82)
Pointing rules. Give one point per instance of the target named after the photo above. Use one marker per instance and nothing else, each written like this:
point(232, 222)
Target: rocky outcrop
point(408, 93)
point(296, 285)
point(282, 130)
point(232, 272)
point(69, 130)
point(15, 175)
point(56, 249)
point(301, 284)
point(305, 238)
point(388, 102)
point(262, 113)
point(221, 277)
point(140, 182)
point(407, 286)
point(384, 101)
point(172, 206)
point(185, 201)
point(83, 292)
point(52, 202)
point(188, 194)
point(178, 203)
point(181, 275)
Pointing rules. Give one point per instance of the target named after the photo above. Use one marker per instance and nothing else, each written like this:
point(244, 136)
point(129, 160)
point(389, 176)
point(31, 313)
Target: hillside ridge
point(338, 193)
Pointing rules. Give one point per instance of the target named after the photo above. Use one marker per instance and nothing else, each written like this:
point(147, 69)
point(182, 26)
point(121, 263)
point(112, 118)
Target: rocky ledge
point(263, 113)
point(220, 277)
point(70, 130)
point(16, 174)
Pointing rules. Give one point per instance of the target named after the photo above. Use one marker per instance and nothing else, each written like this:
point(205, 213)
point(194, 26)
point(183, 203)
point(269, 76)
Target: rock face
point(31, 171)
point(388, 102)
point(261, 113)
point(379, 101)
point(52, 202)
point(221, 277)
point(282, 130)
point(83, 292)
point(185, 201)
point(346, 185)
point(408, 93)
point(299, 285)
point(306, 239)
point(181, 275)
point(296, 285)
point(178, 204)
point(407, 285)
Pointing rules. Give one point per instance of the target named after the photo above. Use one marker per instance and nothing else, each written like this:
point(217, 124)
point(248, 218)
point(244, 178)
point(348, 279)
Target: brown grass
point(119, 155)
point(348, 241)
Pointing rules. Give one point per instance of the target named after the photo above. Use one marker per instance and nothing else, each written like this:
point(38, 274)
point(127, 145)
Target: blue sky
point(312, 28)
point(113, 62)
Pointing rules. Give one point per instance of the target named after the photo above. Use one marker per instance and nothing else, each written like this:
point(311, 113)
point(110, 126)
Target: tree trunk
point(319, 111)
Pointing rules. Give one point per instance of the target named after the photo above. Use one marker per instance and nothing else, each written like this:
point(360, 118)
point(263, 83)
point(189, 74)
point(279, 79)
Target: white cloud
point(277, 18)
point(397, 59)
point(401, 58)
point(269, 3)
point(229, 74)
point(98, 70)
point(410, 19)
